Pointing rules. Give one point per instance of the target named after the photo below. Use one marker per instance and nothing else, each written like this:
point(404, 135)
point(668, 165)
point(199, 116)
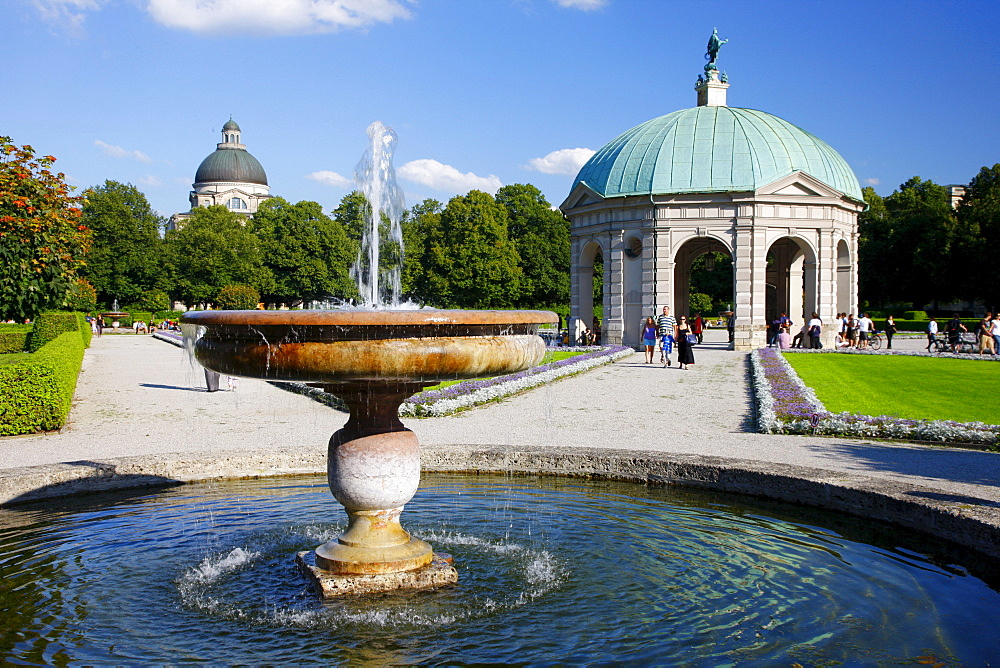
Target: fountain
point(115, 315)
point(373, 359)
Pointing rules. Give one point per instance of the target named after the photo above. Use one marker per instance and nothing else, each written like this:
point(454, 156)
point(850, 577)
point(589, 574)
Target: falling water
point(376, 178)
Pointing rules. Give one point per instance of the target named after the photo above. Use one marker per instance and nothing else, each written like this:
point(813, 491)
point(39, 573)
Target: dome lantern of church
point(778, 200)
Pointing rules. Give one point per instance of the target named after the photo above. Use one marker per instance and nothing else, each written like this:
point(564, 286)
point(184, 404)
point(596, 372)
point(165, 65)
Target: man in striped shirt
point(666, 327)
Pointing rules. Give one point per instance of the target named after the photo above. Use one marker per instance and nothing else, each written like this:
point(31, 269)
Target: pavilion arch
point(845, 272)
point(684, 258)
point(589, 253)
point(792, 279)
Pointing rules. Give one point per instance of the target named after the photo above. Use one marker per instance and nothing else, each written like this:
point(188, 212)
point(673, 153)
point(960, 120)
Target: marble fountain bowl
point(373, 360)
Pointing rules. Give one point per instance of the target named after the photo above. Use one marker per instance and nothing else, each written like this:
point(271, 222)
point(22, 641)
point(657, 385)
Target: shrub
point(49, 326)
point(914, 315)
point(168, 315)
point(36, 394)
point(237, 298)
point(14, 338)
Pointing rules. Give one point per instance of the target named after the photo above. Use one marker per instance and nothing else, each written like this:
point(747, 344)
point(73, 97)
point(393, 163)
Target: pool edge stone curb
point(967, 521)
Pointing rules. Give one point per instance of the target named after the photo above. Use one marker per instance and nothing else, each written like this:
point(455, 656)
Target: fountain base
point(439, 572)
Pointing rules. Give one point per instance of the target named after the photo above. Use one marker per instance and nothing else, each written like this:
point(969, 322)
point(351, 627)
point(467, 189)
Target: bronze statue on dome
point(714, 44)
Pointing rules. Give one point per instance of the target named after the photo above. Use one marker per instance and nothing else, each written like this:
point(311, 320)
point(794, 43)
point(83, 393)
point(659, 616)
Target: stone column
point(750, 271)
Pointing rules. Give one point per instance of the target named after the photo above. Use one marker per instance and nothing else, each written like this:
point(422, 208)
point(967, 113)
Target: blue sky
point(482, 93)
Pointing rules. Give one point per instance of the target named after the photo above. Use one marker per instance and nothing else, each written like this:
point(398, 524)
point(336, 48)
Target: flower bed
point(785, 405)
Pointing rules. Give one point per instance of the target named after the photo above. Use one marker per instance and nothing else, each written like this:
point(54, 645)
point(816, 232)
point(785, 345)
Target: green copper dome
point(712, 149)
point(231, 125)
point(230, 165)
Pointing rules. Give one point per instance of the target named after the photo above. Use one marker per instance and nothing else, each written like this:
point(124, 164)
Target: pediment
point(798, 184)
point(581, 195)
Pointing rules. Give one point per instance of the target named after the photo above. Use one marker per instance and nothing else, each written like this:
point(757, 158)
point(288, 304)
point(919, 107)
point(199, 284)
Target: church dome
point(712, 149)
point(230, 165)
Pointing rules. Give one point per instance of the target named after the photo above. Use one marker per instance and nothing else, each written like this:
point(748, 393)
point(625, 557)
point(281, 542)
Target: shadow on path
point(943, 463)
point(172, 387)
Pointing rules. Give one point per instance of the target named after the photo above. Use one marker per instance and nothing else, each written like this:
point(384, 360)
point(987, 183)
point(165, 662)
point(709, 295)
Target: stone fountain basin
point(349, 346)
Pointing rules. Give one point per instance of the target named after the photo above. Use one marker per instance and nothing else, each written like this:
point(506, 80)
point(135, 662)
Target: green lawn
point(550, 356)
point(909, 387)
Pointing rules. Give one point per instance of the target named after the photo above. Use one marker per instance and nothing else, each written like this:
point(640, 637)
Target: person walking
point(666, 325)
point(684, 338)
point(815, 331)
point(649, 338)
point(954, 330)
point(890, 329)
point(986, 335)
point(698, 326)
point(865, 327)
point(932, 330)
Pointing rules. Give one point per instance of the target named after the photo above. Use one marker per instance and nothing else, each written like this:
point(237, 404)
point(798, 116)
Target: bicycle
point(875, 340)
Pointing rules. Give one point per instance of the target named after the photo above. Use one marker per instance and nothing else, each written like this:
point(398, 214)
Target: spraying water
point(376, 178)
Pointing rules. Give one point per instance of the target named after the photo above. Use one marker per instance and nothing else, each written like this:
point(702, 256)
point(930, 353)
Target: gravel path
point(140, 396)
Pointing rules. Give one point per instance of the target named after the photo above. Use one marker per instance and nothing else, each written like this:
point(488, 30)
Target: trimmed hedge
point(49, 326)
point(36, 394)
point(14, 338)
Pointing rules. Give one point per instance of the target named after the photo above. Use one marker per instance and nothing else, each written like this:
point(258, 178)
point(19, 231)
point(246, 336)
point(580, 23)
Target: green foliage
point(152, 300)
point(125, 260)
point(541, 238)
point(237, 298)
point(352, 214)
point(416, 221)
point(915, 315)
point(699, 302)
point(979, 221)
point(712, 275)
point(42, 243)
point(36, 393)
point(215, 248)
point(14, 338)
point(168, 315)
point(469, 260)
point(49, 326)
point(83, 297)
point(307, 252)
point(82, 326)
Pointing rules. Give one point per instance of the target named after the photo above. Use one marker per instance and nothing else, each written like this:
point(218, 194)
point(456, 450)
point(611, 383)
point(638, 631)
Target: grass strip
point(920, 388)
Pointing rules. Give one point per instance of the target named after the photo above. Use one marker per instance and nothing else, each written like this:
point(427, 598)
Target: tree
point(215, 248)
point(126, 258)
point(876, 262)
point(308, 254)
point(82, 297)
point(415, 223)
point(979, 229)
point(42, 241)
point(469, 261)
point(352, 214)
point(541, 238)
point(922, 231)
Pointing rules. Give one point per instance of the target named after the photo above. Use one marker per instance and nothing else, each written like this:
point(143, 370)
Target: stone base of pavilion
point(440, 572)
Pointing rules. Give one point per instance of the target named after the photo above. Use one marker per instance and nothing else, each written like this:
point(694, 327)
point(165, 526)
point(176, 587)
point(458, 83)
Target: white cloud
point(67, 14)
point(275, 17)
point(119, 152)
point(564, 161)
point(150, 180)
point(872, 181)
point(445, 177)
point(585, 5)
point(334, 179)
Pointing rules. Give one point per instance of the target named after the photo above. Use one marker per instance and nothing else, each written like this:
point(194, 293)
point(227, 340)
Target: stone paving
point(139, 397)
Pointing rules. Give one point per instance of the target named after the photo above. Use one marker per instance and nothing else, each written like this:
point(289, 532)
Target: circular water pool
point(551, 570)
